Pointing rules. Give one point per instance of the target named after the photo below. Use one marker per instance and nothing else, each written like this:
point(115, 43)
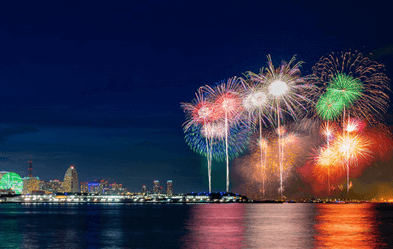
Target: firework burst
point(210, 139)
point(227, 104)
point(287, 92)
point(256, 106)
point(201, 112)
point(328, 108)
point(357, 81)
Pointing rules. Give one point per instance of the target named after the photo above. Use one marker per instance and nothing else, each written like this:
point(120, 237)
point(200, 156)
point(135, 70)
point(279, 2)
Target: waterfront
point(237, 225)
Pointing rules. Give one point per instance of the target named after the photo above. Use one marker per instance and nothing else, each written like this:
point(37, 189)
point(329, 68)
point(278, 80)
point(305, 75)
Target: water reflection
point(347, 226)
point(197, 226)
point(279, 226)
point(215, 226)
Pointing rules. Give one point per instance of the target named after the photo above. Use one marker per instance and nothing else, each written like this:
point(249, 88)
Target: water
point(196, 225)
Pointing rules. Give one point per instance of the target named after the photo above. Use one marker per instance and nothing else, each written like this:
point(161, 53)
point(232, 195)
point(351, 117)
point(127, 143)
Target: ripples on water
point(196, 225)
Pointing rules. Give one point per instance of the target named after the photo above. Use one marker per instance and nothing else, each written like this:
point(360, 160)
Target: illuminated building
point(52, 186)
point(156, 186)
point(103, 185)
point(169, 188)
point(116, 188)
point(11, 181)
point(144, 190)
point(94, 187)
point(30, 184)
point(71, 184)
point(84, 187)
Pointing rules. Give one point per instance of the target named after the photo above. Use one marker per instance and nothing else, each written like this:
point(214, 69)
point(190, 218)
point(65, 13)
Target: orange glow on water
point(346, 226)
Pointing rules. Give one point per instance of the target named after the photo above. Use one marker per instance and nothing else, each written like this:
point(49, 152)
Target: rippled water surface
point(196, 226)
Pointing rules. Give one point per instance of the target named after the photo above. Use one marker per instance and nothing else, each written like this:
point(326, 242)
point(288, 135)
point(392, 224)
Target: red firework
point(199, 111)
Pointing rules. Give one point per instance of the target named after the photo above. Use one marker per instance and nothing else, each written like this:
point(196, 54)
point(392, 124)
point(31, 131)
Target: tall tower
point(156, 186)
point(169, 188)
point(71, 183)
point(30, 169)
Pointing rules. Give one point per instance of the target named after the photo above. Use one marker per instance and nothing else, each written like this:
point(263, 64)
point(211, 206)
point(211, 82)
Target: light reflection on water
point(215, 226)
point(197, 226)
point(289, 226)
point(347, 226)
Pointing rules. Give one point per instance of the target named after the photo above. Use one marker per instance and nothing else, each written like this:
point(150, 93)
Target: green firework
point(344, 88)
point(329, 108)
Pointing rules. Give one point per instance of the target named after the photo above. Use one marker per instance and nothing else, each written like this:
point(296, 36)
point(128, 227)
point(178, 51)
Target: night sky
point(98, 84)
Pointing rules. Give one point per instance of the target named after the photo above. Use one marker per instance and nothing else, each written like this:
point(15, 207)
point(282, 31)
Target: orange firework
point(348, 150)
point(353, 148)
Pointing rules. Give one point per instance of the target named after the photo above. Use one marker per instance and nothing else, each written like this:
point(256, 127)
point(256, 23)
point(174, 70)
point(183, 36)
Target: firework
point(328, 108)
point(354, 124)
point(252, 171)
point(200, 112)
point(326, 160)
point(344, 88)
point(356, 80)
point(353, 147)
point(227, 102)
point(256, 105)
point(356, 83)
point(238, 140)
point(285, 89)
point(328, 130)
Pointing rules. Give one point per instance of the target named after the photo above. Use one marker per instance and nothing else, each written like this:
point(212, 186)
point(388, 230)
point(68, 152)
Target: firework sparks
point(199, 111)
point(328, 108)
point(356, 80)
point(227, 101)
point(256, 105)
point(286, 89)
point(349, 103)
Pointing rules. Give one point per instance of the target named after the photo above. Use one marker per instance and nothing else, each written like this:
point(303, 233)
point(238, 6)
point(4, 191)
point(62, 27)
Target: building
point(30, 184)
point(11, 181)
point(71, 183)
point(156, 186)
point(99, 187)
point(52, 186)
point(169, 188)
point(94, 187)
point(115, 189)
point(104, 185)
point(144, 190)
point(84, 187)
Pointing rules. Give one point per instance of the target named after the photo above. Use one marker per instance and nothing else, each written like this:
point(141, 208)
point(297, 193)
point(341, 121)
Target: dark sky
point(98, 84)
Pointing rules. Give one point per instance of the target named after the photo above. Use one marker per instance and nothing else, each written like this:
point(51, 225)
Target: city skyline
point(71, 184)
point(99, 86)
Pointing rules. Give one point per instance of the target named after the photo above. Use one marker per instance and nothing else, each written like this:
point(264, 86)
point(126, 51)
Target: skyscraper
point(144, 190)
point(71, 183)
point(156, 186)
point(169, 188)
